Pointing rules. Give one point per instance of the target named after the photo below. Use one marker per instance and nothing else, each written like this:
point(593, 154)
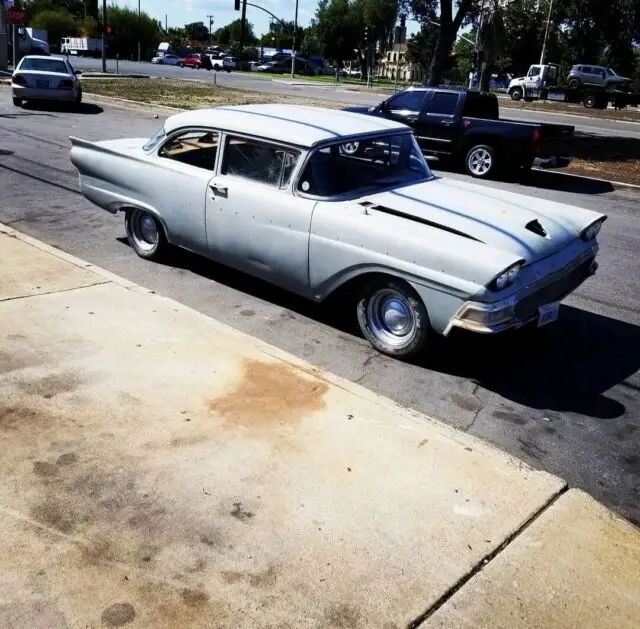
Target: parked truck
point(81, 46)
point(463, 129)
point(593, 86)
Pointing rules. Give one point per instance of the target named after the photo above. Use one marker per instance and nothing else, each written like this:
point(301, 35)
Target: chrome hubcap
point(391, 318)
point(144, 230)
point(480, 162)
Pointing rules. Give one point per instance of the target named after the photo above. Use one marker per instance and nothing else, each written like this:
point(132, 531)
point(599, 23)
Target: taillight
point(536, 137)
point(66, 84)
point(18, 79)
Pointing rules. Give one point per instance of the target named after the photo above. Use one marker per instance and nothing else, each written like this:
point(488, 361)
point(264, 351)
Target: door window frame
point(389, 104)
point(445, 91)
point(273, 143)
point(182, 130)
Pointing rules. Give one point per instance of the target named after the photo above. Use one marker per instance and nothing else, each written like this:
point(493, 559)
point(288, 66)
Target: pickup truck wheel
point(480, 161)
point(145, 234)
point(516, 94)
point(393, 318)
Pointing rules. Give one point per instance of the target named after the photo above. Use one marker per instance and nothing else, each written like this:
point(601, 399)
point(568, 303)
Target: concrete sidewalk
point(161, 470)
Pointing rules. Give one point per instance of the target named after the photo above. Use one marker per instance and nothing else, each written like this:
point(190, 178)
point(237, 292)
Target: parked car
point(272, 191)
point(169, 60)
point(45, 78)
point(196, 61)
point(600, 76)
point(463, 128)
point(226, 64)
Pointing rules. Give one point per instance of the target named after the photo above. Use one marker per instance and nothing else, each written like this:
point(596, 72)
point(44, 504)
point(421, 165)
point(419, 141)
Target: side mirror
point(383, 106)
point(77, 72)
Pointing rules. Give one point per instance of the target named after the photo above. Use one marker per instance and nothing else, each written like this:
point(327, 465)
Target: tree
point(450, 23)
point(336, 30)
point(491, 41)
point(197, 31)
point(129, 29)
point(421, 45)
point(58, 24)
point(230, 34)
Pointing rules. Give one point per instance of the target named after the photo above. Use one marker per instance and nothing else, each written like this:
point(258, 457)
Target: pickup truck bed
point(463, 128)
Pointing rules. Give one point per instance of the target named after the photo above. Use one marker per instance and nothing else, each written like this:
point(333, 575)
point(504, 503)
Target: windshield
point(364, 166)
point(44, 65)
point(154, 140)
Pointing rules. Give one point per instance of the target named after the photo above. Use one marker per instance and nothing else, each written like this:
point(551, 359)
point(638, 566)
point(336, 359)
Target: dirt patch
point(269, 394)
point(118, 615)
point(190, 94)
point(51, 385)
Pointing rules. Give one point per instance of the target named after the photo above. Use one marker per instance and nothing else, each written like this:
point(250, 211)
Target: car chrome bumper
point(33, 93)
point(523, 307)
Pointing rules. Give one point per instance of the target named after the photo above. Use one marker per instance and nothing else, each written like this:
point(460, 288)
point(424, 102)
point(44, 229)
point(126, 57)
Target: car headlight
point(506, 278)
point(593, 230)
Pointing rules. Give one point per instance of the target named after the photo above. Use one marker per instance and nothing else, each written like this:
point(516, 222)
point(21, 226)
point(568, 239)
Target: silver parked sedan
point(45, 78)
point(278, 192)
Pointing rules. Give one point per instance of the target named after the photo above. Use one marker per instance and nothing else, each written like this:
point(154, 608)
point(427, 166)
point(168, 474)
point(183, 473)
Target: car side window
point(196, 148)
point(259, 161)
point(443, 103)
point(410, 101)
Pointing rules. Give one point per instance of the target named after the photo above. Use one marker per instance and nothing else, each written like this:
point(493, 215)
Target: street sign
point(16, 16)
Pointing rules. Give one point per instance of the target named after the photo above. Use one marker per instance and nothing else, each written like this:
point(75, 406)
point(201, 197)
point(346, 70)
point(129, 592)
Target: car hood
point(505, 220)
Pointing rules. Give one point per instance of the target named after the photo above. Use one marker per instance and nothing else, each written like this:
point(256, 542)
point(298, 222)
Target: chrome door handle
point(446, 123)
point(216, 189)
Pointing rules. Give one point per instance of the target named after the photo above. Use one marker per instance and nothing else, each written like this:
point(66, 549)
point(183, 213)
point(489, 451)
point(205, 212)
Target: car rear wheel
point(516, 93)
point(181, 65)
point(17, 102)
point(145, 234)
point(393, 318)
point(480, 161)
point(574, 84)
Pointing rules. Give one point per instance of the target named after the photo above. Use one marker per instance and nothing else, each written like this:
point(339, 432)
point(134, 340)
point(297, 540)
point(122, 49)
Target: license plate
point(43, 85)
point(553, 96)
point(548, 313)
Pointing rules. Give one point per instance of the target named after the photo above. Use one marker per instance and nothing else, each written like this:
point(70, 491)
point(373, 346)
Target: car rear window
point(478, 105)
point(44, 65)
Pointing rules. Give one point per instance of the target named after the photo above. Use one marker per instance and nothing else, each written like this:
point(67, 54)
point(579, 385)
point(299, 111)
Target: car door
point(184, 164)
point(405, 107)
point(254, 221)
point(437, 128)
point(533, 79)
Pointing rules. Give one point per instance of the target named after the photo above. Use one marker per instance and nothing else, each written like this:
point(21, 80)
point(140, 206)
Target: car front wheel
point(17, 102)
point(516, 94)
point(480, 161)
point(393, 318)
point(145, 234)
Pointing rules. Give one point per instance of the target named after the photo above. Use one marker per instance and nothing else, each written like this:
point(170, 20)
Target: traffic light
point(366, 33)
point(236, 5)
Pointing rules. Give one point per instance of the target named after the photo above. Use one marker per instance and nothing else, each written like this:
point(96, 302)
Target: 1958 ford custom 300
point(272, 190)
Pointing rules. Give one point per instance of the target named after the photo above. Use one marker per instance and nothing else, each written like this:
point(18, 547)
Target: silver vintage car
point(276, 191)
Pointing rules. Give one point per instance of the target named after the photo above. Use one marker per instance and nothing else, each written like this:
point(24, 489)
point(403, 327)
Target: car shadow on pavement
point(54, 106)
point(564, 182)
point(566, 367)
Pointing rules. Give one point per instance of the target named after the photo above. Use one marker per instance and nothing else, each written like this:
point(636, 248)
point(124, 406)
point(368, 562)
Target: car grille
point(556, 290)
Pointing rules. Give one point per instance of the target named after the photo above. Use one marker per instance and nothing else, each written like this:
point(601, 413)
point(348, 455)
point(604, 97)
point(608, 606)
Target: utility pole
point(477, 47)
point(104, 42)
point(139, 44)
point(210, 25)
point(166, 24)
point(293, 47)
point(242, 21)
point(546, 33)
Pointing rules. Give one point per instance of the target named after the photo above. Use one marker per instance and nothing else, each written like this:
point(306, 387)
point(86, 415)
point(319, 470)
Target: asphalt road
point(254, 81)
point(565, 400)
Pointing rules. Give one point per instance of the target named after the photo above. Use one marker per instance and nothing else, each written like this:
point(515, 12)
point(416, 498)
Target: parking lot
point(565, 401)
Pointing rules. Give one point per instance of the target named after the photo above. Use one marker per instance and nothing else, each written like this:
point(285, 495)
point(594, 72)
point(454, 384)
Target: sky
point(187, 11)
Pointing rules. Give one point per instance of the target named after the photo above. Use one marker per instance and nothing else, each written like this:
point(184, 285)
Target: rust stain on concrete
point(269, 393)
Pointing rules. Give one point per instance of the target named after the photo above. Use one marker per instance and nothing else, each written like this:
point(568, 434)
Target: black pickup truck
point(463, 129)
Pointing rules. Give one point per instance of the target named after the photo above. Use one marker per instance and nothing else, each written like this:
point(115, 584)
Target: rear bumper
point(32, 93)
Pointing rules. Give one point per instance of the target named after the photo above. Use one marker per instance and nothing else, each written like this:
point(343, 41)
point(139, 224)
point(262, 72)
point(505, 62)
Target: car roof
point(300, 125)
point(42, 57)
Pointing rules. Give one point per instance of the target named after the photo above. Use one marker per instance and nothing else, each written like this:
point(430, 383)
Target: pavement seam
point(420, 620)
point(53, 292)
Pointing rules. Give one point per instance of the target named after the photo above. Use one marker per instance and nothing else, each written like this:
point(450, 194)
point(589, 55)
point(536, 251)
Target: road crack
point(474, 394)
